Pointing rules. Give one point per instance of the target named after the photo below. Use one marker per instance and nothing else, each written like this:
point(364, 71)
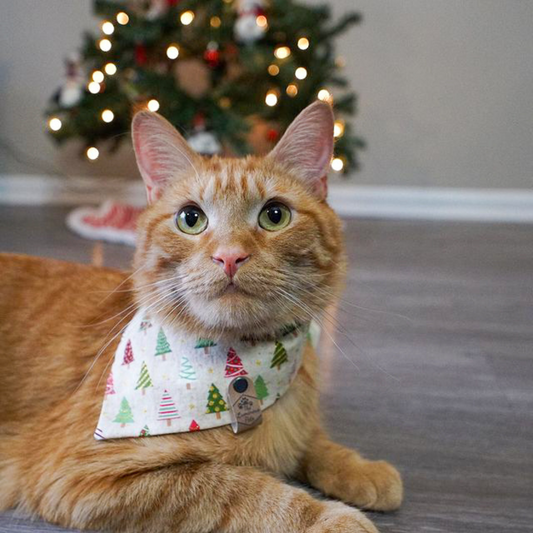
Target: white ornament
point(204, 143)
point(70, 94)
point(247, 30)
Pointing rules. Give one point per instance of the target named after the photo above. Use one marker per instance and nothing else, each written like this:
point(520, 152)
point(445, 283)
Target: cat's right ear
point(162, 153)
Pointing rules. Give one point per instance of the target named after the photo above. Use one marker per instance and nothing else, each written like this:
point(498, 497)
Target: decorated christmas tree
point(232, 74)
point(234, 366)
point(205, 344)
point(110, 385)
point(261, 389)
point(194, 426)
point(124, 416)
point(144, 380)
point(215, 401)
point(145, 432)
point(162, 346)
point(280, 356)
point(167, 409)
point(128, 355)
point(187, 371)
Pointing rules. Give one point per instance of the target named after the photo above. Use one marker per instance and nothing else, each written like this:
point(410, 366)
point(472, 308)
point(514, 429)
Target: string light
point(122, 18)
point(301, 73)
point(98, 76)
point(292, 90)
point(325, 95)
point(338, 129)
point(273, 70)
point(108, 28)
point(215, 22)
point(110, 69)
point(261, 21)
point(187, 17)
point(92, 153)
point(55, 124)
point(224, 102)
point(153, 105)
point(271, 98)
point(173, 51)
point(303, 43)
point(108, 115)
point(282, 52)
point(105, 45)
point(337, 164)
point(94, 87)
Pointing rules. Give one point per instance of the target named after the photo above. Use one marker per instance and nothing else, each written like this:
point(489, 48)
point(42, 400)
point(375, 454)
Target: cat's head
point(237, 246)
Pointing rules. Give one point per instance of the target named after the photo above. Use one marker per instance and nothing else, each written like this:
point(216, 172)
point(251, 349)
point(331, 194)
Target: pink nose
point(230, 260)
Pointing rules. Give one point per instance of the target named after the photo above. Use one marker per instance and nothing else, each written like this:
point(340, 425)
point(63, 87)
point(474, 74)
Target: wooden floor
point(436, 373)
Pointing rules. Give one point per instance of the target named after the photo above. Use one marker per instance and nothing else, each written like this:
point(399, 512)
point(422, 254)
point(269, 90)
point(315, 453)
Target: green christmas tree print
point(280, 356)
point(205, 344)
point(162, 346)
point(187, 371)
point(145, 432)
point(261, 389)
point(124, 416)
point(144, 380)
point(167, 409)
point(215, 401)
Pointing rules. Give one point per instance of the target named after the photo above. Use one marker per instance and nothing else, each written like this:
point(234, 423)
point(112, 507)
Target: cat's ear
point(306, 147)
point(162, 153)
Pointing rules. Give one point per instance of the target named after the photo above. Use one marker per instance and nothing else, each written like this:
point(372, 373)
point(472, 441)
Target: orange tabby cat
point(230, 277)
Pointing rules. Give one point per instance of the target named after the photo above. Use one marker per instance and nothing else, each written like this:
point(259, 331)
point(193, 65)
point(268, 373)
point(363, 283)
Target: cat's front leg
point(342, 473)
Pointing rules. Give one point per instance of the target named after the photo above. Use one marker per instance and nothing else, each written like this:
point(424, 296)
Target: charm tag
point(244, 405)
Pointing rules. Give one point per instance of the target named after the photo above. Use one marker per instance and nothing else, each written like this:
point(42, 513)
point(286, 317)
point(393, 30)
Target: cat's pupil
point(191, 218)
point(274, 214)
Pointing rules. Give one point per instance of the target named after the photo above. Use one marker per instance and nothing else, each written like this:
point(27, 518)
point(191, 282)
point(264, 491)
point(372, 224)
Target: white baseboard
point(349, 200)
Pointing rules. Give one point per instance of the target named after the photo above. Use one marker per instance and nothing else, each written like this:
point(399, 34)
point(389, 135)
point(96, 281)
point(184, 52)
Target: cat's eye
point(191, 220)
point(274, 216)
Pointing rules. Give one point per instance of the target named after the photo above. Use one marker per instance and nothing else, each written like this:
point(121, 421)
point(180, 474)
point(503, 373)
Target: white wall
point(446, 87)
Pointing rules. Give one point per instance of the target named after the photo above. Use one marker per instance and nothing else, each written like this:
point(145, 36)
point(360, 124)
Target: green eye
point(191, 220)
point(274, 216)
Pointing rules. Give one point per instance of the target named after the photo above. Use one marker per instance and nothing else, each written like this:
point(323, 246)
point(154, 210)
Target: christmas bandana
point(165, 382)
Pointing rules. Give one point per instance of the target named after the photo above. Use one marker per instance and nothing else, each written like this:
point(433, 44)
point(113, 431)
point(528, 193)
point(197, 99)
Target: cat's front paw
point(339, 518)
point(377, 486)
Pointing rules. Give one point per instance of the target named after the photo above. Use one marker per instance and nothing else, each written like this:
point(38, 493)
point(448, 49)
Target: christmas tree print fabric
point(164, 382)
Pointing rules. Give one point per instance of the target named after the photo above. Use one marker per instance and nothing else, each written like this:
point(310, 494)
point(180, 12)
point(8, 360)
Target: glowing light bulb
point(261, 21)
point(282, 52)
point(303, 43)
point(338, 129)
point(92, 153)
point(55, 124)
point(292, 90)
point(273, 70)
point(153, 105)
point(108, 115)
point(215, 22)
point(271, 99)
point(301, 73)
point(110, 69)
point(122, 18)
point(324, 95)
point(224, 102)
point(337, 164)
point(187, 17)
point(94, 87)
point(98, 76)
point(108, 28)
point(105, 45)
point(173, 52)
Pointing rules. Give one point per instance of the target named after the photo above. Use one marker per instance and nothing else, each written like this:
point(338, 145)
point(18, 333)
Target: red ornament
point(272, 135)
point(212, 55)
point(194, 426)
point(198, 121)
point(141, 56)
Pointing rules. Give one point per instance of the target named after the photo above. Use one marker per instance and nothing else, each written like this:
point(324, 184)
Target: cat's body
point(56, 317)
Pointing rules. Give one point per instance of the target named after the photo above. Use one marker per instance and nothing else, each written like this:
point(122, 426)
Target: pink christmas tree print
point(110, 385)
point(234, 366)
point(167, 409)
point(194, 426)
point(128, 355)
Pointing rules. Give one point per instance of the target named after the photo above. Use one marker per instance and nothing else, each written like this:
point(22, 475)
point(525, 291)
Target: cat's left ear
point(306, 147)
point(162, 153)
